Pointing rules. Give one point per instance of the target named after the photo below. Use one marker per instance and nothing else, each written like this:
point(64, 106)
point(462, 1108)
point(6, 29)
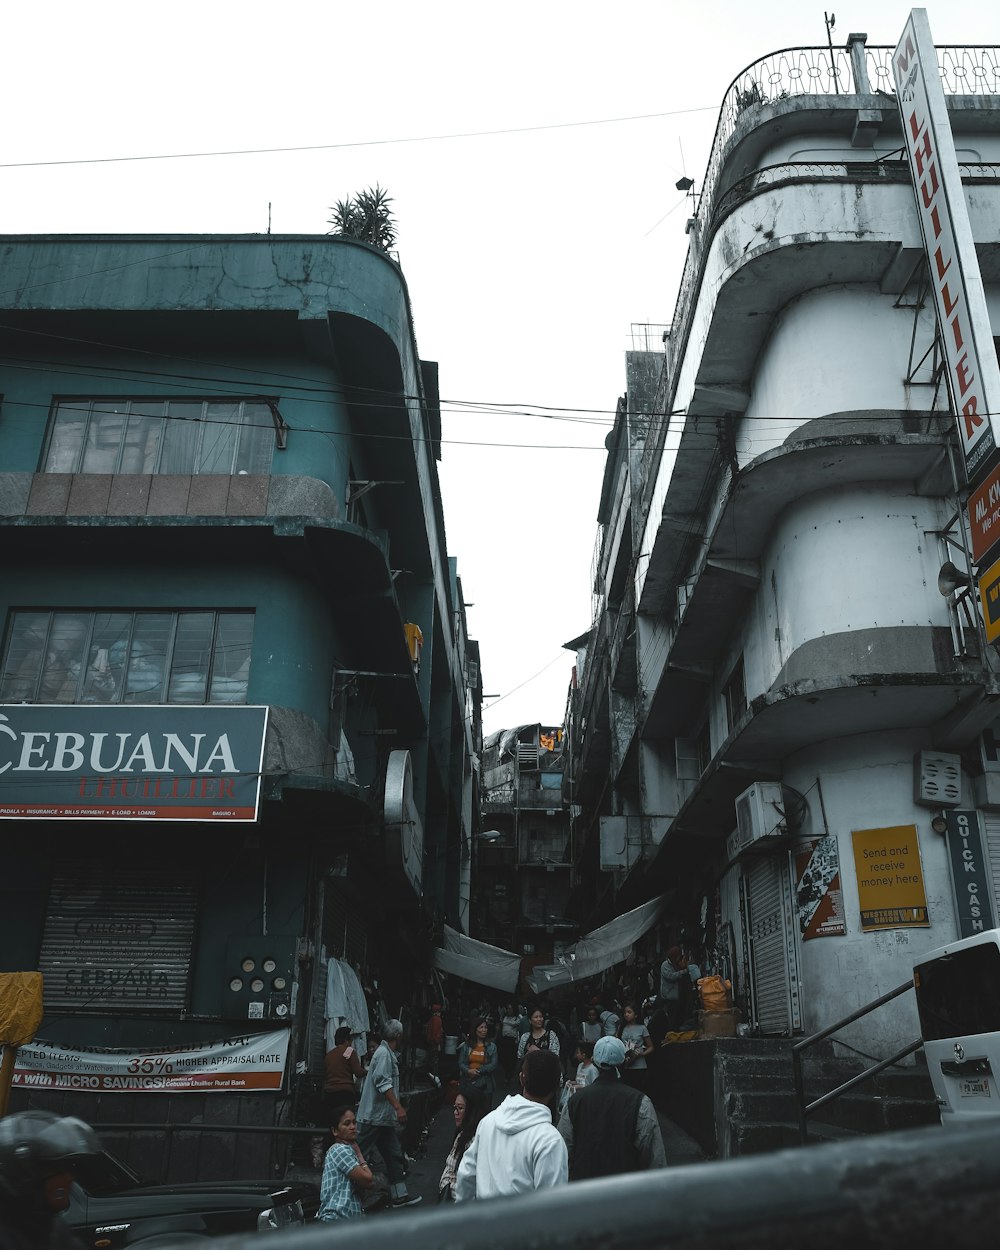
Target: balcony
point(848, 92)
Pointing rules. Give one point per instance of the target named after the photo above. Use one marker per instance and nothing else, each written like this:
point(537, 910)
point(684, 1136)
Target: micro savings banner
point(235, 1065)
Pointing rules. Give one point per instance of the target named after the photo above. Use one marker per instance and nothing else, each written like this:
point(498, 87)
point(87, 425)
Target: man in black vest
point(609, 1127)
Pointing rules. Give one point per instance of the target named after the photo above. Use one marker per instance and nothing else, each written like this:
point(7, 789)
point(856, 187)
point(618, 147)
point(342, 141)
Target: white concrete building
point(783, 488)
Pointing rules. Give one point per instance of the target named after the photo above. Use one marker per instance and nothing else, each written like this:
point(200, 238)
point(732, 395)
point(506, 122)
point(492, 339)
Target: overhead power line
point(358, 143)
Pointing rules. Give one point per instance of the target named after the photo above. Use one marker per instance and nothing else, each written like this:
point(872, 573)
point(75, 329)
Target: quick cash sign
point(959, 298)
point(130, 762)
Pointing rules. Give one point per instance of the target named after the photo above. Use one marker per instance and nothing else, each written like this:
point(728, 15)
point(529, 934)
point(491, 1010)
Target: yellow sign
point(989, 597)
point(890, 878)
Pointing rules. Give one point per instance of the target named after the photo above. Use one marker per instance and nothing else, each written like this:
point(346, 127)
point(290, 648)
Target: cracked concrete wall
point(308, 274)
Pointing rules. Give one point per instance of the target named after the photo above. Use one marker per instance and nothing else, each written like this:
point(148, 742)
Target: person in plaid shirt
point(345, 1172)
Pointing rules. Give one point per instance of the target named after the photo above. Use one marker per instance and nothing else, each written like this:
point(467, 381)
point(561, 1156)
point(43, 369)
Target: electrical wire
point(359, 143)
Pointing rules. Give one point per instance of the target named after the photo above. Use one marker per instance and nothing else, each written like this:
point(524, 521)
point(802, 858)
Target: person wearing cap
point(609, 1127)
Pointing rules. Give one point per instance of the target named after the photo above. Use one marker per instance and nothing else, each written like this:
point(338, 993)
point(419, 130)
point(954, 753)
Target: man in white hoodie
point(517, 1148)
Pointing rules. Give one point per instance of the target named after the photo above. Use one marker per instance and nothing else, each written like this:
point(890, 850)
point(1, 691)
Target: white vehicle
point(958, 999)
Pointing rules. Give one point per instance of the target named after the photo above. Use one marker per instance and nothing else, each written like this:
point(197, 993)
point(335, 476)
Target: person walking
point(469, 1110)
point(538, 1037)
point(638, 1048)
point(477, 1061)
point(342, 1073)
point(380, 1111)
point(345, 1172)
point(608, 1127)
point(517, 1148)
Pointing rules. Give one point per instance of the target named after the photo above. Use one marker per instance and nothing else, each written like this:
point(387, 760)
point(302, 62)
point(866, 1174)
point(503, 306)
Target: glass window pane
point(142, 438)
point(106, 657)
point(147, 657)
point(191, 657)
point(181, 430)
point(256, 440)
point(62, 665)
point(104, 438)
point(218, 439)
point(231, 662)
point(66, 440)
point(22, 664)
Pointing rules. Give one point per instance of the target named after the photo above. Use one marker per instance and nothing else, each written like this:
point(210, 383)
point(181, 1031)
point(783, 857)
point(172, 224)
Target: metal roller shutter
point(118, 937)
point(772, 947)
point(991, 835)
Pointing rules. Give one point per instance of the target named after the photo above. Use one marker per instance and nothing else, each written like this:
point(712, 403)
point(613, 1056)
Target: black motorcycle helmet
point(37, 1145)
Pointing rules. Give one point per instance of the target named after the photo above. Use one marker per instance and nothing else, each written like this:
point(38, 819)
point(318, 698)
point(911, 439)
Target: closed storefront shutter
point(991, 836)
point(118, 938)
point(772, 946)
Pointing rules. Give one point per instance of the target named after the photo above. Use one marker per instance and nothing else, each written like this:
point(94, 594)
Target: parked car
point(112, 1207)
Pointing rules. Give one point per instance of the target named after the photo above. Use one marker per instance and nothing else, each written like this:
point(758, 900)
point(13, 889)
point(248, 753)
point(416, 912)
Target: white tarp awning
point(609, 945)
point(478, 961)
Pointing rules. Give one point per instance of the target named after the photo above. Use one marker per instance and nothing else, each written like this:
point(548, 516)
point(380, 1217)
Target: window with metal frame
point(116, 656)
point(735, 695)
point(188, 436)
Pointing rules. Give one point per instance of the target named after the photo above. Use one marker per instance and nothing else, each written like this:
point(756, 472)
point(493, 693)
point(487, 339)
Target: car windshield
point(104, 1174)
point(959, 993)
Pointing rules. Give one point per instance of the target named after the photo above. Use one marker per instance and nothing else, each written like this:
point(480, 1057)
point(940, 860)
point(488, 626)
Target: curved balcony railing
point(770, 177)
point(964, 70)
point(813, 71)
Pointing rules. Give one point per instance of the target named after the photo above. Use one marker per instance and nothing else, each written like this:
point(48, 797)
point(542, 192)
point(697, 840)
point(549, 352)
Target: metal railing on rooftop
point(781, 75)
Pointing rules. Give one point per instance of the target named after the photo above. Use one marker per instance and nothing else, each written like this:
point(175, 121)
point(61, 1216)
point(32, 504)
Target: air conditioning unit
point(760, 814)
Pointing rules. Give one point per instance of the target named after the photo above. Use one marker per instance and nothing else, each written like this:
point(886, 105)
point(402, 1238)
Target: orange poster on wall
point(890, 878)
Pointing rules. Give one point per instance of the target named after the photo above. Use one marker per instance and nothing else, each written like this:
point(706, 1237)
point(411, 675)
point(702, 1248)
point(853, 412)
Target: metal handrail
point(804, 1108)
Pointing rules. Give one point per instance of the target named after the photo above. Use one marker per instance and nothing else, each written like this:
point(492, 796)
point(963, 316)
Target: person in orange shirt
point(477, 1060)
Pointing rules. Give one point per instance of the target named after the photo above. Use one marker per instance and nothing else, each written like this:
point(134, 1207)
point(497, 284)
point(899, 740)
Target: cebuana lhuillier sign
point(959, 298)
point(164, 762)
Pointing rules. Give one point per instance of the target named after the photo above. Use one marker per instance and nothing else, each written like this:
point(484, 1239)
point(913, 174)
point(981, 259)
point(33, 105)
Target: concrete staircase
point(736, 1096)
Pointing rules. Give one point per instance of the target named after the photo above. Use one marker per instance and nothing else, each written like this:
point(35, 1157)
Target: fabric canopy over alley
point(603, 948)
point(478, 961)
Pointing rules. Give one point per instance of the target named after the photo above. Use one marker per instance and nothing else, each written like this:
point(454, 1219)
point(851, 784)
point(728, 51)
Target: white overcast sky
point(532, 239)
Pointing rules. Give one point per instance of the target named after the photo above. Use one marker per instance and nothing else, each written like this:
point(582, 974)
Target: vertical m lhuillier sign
point(963, 319)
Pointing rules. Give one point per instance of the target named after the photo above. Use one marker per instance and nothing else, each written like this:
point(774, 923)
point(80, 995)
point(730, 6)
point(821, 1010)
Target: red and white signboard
point(959, 298)
point(984, 515)
point(234, 1065)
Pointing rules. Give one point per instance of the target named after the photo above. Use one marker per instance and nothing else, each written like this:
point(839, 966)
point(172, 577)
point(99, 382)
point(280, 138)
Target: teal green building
point(239, 708)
